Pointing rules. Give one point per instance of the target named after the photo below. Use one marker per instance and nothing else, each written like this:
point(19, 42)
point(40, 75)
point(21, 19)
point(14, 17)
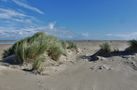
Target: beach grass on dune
point(105, 49)
point(69, 45)
point(132, 46)
point(30, 49)
point(38, 64)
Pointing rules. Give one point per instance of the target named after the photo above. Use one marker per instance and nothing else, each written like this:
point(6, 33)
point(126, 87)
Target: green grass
point(105, 49)
point(56, 50)
point(132, 46)
point(69, 45)
point(38, 64)
point(30, 49)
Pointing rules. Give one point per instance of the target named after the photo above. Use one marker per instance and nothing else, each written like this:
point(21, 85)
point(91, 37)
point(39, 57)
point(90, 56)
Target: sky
point(69, 19)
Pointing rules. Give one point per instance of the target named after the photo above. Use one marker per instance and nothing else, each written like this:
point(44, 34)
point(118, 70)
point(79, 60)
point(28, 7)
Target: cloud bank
point(124, 36)
point(50, 29)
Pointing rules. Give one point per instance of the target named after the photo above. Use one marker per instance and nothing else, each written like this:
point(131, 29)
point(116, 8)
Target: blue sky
point(69, 19)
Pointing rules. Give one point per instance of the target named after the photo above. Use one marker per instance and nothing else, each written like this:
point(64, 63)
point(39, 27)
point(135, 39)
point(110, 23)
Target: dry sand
point(113, 73)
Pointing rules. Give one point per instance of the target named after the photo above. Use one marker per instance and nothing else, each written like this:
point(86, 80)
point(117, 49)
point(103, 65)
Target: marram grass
point(132, 46)
point(105, 49)
point(38, 64)
point(69, 45)
point(28, 50)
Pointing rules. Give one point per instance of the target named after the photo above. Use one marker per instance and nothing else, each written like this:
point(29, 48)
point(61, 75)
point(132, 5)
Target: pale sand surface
point(113, 73)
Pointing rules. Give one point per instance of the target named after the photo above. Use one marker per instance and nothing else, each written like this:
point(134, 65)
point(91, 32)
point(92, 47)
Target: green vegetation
point(55, 51)
point(31, 49)
point(38, 64)
point(132, 46)
point(69, 45)
point(105, 50)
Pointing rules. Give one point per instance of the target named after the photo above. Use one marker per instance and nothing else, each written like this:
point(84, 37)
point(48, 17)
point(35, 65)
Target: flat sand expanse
point(113, 73)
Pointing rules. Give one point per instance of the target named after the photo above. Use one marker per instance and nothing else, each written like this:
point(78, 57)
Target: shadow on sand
point(95, 57)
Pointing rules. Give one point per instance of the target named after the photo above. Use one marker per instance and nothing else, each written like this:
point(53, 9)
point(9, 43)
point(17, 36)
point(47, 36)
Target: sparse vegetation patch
point(132, 46)
point(105, 50)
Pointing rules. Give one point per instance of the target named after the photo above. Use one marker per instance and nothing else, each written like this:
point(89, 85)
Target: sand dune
point(112, 73)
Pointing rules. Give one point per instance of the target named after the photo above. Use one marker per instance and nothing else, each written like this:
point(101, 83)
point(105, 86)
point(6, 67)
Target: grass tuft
point(55, 51)
point(132, 46)
point(105, 50)
point(38, 65)
point(69, 45)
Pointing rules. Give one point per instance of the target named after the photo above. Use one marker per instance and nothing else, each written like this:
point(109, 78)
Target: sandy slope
point(114, 73)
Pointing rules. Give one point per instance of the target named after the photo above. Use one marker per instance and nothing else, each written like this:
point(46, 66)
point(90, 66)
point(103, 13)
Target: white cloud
point(25, 5)
point(52, 25)
point(85, 34)
point(125, 36)
point(23, 32)
point(16, 18)
point(8, 14)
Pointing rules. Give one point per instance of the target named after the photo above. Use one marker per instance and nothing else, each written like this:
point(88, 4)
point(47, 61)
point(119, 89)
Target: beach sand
point(112, 73)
